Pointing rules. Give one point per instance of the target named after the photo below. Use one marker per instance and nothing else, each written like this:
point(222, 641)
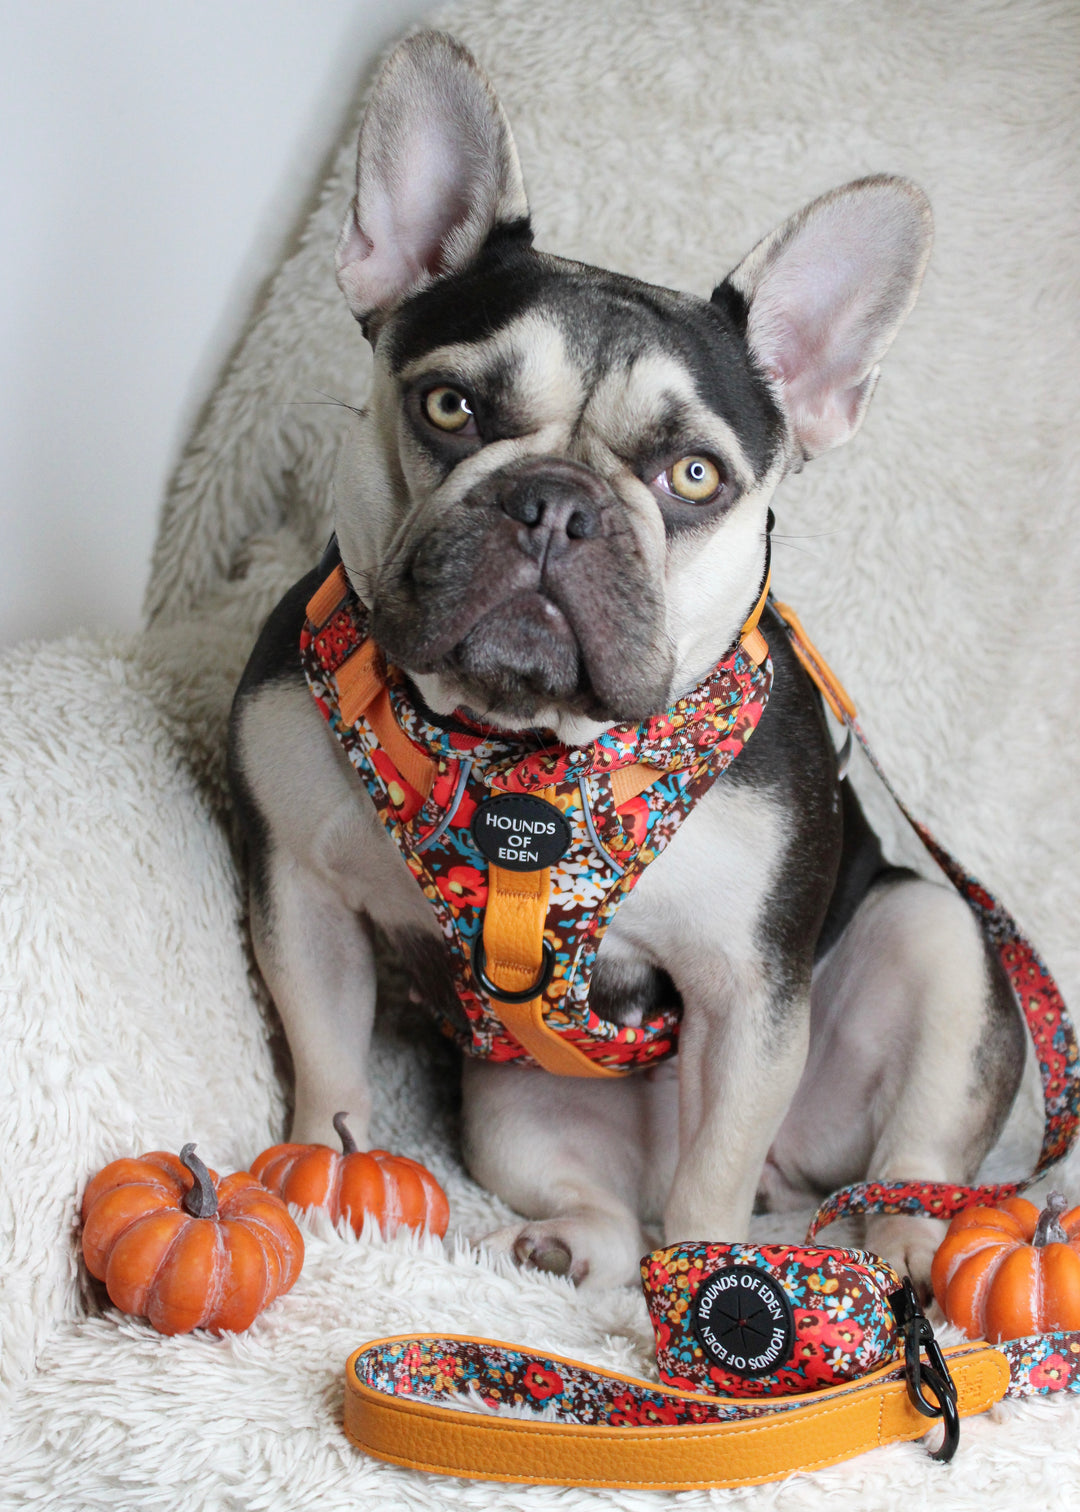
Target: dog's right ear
point(436, 172)
point(823, 297)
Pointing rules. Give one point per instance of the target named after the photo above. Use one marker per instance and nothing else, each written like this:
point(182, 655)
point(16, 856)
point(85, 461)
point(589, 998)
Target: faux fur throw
point(935, 560)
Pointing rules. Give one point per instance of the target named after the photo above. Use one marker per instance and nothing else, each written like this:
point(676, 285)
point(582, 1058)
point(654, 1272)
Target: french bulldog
point(555, 508)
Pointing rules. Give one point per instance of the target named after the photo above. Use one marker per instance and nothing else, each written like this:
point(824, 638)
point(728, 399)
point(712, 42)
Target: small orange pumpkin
point(396, 1191)
point(186, 1250)
point(1007, 1271)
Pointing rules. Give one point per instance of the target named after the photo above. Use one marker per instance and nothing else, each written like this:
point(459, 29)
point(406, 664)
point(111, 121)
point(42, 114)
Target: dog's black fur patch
point(606, 319)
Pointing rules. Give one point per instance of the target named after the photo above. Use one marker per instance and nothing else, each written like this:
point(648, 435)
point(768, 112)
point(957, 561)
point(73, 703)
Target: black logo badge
point(520, 832)
point(742, 1319)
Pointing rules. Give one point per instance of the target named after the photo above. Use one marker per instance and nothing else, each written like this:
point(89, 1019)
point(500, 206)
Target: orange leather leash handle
point(833, 1425)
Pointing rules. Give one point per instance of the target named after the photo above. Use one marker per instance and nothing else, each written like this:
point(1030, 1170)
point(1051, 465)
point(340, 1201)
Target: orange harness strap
point(361, 689)
point(821, 674)
point(514, 922)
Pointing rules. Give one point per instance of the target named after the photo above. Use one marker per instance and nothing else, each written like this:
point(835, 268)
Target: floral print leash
point(1037, 995)
point(848, 1362)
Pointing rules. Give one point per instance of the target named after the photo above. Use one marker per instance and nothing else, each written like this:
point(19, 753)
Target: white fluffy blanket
point(936, 560)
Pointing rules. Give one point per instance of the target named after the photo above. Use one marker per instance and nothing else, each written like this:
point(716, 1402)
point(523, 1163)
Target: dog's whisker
point(809, 535)
point(790, 546)
point(360, 411)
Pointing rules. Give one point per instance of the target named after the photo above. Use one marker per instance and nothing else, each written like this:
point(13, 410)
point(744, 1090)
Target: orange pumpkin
point(396, 1191)
point(1008, 1271)
point(186, 1250)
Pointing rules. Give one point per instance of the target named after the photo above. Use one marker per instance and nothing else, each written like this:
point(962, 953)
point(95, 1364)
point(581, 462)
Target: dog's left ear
point(823, 297)
point(436, 172)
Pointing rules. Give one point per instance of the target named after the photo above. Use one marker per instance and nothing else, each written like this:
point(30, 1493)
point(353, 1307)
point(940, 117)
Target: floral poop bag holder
point(774, 1358)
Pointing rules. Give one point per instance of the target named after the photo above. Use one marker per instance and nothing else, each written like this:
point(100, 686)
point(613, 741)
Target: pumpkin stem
point(1048, 1230)
point(348, 1143)
point(200, 1199)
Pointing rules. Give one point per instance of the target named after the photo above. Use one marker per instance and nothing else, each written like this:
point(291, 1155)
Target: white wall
point(154, 155)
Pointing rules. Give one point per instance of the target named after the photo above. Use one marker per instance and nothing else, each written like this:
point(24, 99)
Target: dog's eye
point(447, 409)
point(695, 479)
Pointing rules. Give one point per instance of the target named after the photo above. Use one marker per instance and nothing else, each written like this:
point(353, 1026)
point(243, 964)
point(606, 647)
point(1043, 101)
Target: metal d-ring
point(547, 968)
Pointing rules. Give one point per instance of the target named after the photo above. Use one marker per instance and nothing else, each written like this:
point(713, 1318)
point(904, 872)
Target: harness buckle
point(502, 994)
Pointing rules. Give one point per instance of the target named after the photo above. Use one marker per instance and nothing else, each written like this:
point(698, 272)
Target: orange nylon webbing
point(628, 781)
point(328, 596)
point(826, 680)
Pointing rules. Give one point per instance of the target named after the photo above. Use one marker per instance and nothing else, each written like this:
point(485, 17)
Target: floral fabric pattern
point(1043, 1364)
point(844, 1326)
point(689, 745)
point(453, 1371)
point(447, 1371)
point(1053, 1038)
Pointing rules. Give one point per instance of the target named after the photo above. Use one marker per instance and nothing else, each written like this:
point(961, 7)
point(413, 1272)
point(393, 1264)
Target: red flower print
point(334, 642)
point(442, 789)
point(538, 770)
point(812, 1370)
point(634, 817)
point(541, 1383)
point(442, 793)
point(503, 1050)
point(463, 815)
point(1051, 1374)
point(463, 887)
point(626, 1411)
point(809, 1325)
point(658, 1275)
point(405, 801)
point(846, 1335)
point(658, 1413)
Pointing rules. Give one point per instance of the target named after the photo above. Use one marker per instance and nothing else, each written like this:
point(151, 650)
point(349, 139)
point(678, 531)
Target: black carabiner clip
point(933, 1374)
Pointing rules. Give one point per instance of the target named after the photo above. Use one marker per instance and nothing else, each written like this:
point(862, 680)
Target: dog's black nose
point(554, 506)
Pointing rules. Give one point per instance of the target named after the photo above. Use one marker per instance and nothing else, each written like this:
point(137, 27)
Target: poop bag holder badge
point(775, 1358)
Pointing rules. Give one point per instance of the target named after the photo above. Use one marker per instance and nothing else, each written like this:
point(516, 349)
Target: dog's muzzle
point(557, 504)
point(533, 591)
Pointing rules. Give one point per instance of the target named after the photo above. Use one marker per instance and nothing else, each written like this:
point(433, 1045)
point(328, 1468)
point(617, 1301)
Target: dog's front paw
point(594, 1251)
point(909, 1245)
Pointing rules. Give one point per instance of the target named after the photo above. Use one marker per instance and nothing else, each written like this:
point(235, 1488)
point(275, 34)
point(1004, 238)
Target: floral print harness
point(623, 798)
